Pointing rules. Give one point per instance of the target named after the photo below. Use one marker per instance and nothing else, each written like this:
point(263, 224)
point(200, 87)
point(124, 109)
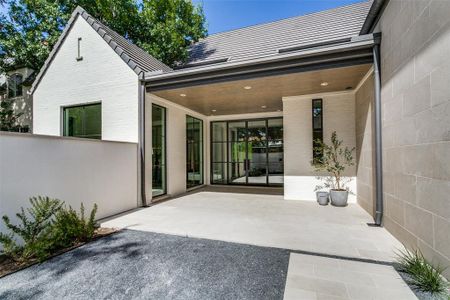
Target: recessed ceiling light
point(183, 95)
point(263, 106)
point(213, 110)
point(247, 87)
point(324, 83)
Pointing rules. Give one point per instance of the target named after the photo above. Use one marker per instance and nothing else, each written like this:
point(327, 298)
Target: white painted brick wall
point(101, 76)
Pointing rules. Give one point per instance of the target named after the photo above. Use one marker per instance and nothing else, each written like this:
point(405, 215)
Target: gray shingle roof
point(136, 58)
point(269, 38)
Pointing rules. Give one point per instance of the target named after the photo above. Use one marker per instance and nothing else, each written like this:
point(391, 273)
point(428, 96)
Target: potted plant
point(333, 160)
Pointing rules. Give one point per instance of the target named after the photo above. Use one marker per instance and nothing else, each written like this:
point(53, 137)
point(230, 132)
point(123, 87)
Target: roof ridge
point(287, 18)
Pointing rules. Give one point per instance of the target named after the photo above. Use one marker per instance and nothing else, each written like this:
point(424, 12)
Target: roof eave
point(355, 51)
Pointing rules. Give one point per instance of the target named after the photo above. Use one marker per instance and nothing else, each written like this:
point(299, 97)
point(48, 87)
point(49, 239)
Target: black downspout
point(378, 140)
point(141, 99)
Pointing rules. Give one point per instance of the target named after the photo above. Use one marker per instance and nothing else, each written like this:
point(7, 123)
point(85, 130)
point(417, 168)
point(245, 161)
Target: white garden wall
point(101, 76)
point(70, 169)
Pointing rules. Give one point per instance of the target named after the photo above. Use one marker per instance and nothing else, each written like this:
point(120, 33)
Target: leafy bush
point(44, 228)
point(423, 276)
point(34, 229)
point(70, 228)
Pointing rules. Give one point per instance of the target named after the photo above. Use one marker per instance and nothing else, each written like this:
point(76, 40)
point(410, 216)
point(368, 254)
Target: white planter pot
point(322, 198)
point(338, 198)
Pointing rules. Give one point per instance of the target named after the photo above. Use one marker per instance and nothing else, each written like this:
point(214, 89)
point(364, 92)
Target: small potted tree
point(334, 160)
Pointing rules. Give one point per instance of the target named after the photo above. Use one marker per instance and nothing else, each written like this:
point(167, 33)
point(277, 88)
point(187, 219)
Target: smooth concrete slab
point(265, 220)
point(314, 277)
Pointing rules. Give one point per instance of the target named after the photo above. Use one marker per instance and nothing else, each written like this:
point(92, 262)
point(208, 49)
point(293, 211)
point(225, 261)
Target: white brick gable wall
point(102, 76)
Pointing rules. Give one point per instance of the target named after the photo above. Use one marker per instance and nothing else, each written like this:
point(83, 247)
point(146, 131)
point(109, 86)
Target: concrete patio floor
point(334, 254)
point(265, 220)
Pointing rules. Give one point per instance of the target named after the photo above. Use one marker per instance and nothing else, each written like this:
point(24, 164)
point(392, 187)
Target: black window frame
point(317, 133)
point(166, 184)
point(202, 157)
point(63, 110)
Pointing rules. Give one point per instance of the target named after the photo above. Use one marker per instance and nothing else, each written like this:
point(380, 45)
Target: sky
point(224, 15)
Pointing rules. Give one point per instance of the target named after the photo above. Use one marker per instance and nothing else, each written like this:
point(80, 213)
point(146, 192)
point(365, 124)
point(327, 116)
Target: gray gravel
point(143, 265)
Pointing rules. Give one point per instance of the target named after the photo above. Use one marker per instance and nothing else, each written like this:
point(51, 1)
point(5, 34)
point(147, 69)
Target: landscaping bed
point(8, 265)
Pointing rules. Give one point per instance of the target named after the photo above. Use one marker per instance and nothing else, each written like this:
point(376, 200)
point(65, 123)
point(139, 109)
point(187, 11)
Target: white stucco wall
point(338, 115)
point(102, 76)
point(70, 169)
point(175, 143)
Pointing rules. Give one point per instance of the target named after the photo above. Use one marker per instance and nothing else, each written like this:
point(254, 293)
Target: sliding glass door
point(194, 152)
point(247, 152)
point(158, 150)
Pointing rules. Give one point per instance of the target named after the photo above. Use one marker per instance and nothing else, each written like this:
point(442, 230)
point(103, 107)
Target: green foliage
point(34, 230)
point(334, 160)
point(168, 27)
point(423, 276)
point(8, 118)
point(44, 228)
point(70, 227)
point(164, 28)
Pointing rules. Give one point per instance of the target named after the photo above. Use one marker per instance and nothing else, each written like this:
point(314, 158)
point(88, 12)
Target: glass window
point(83, 121)
point(194, 152)
point(158, 150)
point(317, 125)
point(15, 86)
point(247, 152)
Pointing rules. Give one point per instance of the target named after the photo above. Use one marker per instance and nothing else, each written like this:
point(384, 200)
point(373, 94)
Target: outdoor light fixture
point(183, 95)
point(263, 106)
point(324, 83)
point(213, 110)
point(247, 87)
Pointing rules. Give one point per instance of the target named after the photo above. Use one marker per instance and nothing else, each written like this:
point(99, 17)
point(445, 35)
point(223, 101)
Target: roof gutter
point(373, 16)
point(357, 51)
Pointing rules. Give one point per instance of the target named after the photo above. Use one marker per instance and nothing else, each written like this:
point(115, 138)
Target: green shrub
point(44, 228)
point(70, 228)
point(34, 230)
point(423, 276)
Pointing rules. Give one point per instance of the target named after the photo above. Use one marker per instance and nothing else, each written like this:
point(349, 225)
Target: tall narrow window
point(194, 152)
point(158, 150)
point(317, 125)
point(84, 121)
point(15, 86)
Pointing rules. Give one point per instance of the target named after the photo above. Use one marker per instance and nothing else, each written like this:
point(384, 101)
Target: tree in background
point(164, 28)
point(168, 28)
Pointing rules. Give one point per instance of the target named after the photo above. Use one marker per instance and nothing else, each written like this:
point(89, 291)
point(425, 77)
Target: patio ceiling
point(265, 93)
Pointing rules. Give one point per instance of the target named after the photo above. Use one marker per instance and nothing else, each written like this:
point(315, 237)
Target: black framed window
point(247, 152)
point(83, 121)
point(317, 127)
point(194, 152)
point(15, 85)
point(159, 175)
